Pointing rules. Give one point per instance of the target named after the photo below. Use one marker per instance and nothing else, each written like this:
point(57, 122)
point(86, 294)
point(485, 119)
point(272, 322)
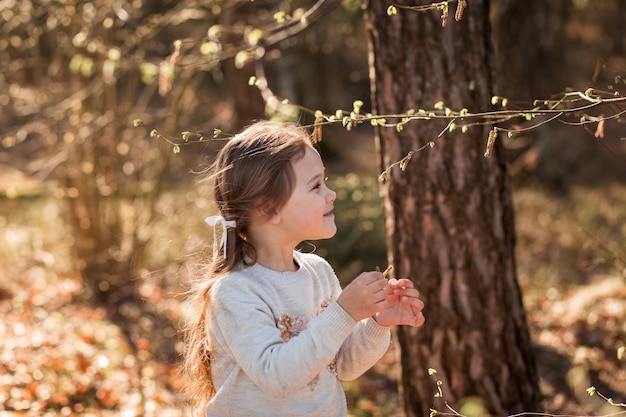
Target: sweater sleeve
point(366, 344)
point(244, 324)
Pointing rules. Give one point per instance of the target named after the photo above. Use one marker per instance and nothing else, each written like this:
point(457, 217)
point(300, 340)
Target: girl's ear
point(274, 218)
point(268, 213)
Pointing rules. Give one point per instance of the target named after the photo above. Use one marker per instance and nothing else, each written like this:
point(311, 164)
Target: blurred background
point(101, 218)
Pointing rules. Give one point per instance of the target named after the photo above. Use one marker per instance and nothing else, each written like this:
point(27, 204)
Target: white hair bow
point(213, 221)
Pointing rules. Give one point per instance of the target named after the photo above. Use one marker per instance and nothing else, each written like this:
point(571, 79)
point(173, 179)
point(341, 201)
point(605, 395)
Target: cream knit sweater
point(280, 342)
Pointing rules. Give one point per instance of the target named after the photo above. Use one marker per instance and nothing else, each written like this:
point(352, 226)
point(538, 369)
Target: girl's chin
point(329, 233)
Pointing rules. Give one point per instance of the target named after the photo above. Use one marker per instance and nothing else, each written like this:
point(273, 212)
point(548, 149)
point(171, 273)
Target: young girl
point(272, 332)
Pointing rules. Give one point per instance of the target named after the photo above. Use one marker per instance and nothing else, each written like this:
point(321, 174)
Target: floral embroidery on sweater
point(325, 303)
point(292, 326)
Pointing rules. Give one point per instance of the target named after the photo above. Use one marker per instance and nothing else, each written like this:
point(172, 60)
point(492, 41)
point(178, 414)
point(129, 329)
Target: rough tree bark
point(449, 215)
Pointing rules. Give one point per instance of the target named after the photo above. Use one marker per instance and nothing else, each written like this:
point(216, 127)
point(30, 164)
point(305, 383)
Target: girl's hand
point(404, 306)
point(365, 296)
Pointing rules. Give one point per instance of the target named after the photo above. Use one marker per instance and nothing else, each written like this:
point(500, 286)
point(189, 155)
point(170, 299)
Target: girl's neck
point(273, 249)
point(281, 262)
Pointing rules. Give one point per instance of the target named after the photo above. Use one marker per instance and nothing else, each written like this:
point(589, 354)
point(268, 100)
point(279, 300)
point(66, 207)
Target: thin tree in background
point(87, 74)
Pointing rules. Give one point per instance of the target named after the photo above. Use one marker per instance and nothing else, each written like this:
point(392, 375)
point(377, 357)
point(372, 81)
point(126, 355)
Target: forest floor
point(60, 356)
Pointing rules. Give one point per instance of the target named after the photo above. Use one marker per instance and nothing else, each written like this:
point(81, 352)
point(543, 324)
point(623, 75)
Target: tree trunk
point(529, 75)
point(449, 215)
point(247, 100)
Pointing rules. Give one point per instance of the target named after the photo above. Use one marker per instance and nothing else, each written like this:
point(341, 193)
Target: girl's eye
point(319, 184)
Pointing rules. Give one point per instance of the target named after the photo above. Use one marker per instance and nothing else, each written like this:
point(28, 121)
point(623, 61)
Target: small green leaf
point(252, 80)
point(391, 10)
point(356, 106)
point(79, 40)
point(255, 36)
point(75, 63)
point(464, 129)
point(494, 100)
point(439, 105)
point(210, 48)
point(148, 72)
point(432, 371)
point(176, 149)
point(185, 135)
point(280, 16)
point(217, 132)
point(86, 67)
point(620, 352)
point(137, 122)
point(431, 144)
point(241, 59)
point(383, 176)
point(154, 133)
point(318, 113)
point(214, 32)
point(399, 128)
point(591, 391)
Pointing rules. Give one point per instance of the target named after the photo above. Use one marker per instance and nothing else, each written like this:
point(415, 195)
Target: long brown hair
point(253, 170)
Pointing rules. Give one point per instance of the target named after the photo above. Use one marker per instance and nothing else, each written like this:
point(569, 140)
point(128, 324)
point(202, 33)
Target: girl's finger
point(409, 292)
point(418, 320)
point(414, 302)
point(404, 283)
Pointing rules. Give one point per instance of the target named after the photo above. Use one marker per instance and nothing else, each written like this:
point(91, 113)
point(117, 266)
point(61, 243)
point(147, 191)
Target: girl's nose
point(331, 195)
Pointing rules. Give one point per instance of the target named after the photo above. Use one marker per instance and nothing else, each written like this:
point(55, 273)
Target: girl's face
point(308, 214)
